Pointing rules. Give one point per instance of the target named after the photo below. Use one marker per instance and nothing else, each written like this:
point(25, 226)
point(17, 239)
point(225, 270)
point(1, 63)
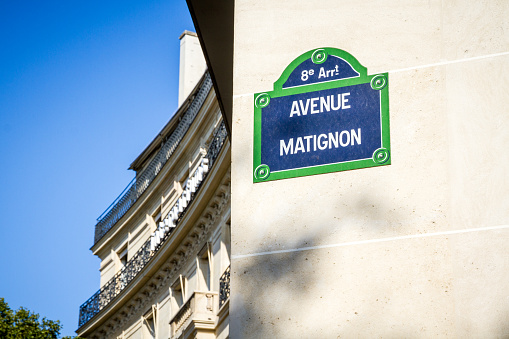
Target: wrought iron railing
point(140, 259)
point(136, 187)
point(224, 287)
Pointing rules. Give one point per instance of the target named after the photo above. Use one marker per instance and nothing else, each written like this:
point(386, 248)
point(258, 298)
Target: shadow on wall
point(389, 289)
point(286, 296)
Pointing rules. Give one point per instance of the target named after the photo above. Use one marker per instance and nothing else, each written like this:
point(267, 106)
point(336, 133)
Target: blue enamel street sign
point(324, 115)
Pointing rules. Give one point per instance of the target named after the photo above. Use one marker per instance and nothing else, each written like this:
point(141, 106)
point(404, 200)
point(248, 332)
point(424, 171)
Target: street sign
point(324, 115)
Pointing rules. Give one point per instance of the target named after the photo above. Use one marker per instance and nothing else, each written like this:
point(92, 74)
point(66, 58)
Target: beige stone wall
point(414, 249)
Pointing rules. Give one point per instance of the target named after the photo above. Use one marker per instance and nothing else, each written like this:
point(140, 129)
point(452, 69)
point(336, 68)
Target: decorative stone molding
point(168, 271)
point(138, 185)
point(114, 287)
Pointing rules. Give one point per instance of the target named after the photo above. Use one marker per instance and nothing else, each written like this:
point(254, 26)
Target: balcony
point(137, 186)
point(147, 251)
point(224, 287)
point(198, 314)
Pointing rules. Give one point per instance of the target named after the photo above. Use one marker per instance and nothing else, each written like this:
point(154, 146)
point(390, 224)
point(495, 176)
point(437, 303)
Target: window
point(178, 291)
point(121, 280)
point(122, 257)
point(149, 324)
point(204, 268)
point(157, 216)
point(228, 239)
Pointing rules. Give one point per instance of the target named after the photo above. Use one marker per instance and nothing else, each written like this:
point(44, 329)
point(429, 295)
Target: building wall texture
point(414, 249)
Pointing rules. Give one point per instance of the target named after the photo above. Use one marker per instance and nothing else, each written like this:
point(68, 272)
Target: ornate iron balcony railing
point(135, 189)
point(224, 287)
point(141, 258)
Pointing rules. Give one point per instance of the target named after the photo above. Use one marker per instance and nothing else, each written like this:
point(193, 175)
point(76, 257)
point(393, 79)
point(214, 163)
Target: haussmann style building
point(387, 216)
point(369, 187)
point(164, 244)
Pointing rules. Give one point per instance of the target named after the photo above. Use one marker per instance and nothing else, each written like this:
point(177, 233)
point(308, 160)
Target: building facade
point(414, 249)
point(164, 244)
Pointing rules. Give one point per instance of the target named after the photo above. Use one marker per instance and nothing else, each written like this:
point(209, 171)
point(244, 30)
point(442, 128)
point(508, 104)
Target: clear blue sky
point(84, 87)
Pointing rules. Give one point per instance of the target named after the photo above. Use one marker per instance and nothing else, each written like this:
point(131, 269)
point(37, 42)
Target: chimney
point(192, 64)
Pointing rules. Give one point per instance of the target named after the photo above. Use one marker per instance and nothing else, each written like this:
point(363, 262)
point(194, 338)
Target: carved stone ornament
point(167, 273)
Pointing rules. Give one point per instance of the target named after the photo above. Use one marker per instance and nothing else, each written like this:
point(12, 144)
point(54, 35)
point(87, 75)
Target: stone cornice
point(167, 263)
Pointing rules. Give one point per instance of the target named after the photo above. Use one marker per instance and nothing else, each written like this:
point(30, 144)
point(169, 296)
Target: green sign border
point(381, 156)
